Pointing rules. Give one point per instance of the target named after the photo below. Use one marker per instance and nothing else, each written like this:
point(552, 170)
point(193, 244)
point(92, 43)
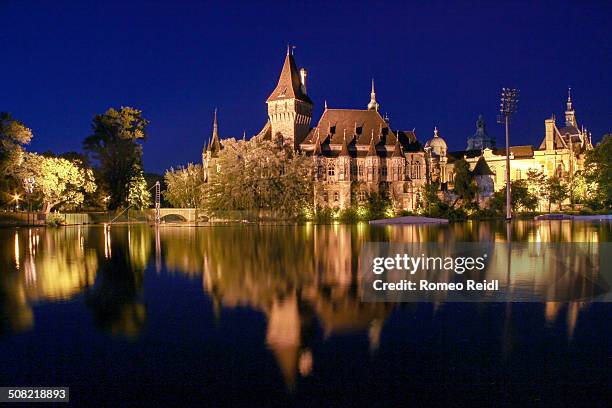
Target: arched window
point(336, 196)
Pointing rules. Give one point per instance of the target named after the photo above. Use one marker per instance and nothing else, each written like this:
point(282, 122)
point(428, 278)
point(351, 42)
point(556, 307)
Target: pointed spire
point(344, 151)
point(569, 98)
point(373, 105)
point(289, 84)
point(436, 133)
point(244, 135)
point(325, 104)
point(215, 144)
point(372, 148)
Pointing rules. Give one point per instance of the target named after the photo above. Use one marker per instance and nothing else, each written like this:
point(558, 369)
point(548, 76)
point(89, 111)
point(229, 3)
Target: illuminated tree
point(13, 136)
point(259, 175)
point(598, 173)
point(114, 145)
point(184, 186)
point(138, 193)
point(58, 182)
point(556, 191)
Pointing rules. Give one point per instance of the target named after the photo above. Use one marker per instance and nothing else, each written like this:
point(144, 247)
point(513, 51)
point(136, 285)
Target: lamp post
point(507, 106)
point(16, 198)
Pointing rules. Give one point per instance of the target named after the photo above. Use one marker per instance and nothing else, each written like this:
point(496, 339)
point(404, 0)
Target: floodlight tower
point(508, 104)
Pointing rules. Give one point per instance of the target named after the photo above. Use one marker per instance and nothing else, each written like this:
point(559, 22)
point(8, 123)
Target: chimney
point(303, 75)
point(550, 134)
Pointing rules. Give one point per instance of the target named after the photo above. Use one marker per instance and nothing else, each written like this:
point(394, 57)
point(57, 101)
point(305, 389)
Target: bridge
point(176, 214)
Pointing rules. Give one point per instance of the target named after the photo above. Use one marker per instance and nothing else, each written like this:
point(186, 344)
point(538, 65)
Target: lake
point(271, 315)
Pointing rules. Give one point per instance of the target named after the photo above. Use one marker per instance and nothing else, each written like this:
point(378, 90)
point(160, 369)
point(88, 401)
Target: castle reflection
point(302, 278)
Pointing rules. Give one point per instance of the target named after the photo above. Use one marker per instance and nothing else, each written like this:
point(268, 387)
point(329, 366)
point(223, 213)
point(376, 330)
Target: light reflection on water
point(298, 277)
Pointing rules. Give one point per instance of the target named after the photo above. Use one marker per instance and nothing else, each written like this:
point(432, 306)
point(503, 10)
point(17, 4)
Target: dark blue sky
point(439, 63)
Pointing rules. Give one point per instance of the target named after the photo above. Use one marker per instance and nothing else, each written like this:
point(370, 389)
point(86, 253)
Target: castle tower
point(211, 151)
point(289, 107)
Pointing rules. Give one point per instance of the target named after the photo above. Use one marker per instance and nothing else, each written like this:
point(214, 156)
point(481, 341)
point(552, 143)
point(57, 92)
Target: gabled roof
point(525, 151)
point(289, 85)
point(358, 124)
point(482, 168)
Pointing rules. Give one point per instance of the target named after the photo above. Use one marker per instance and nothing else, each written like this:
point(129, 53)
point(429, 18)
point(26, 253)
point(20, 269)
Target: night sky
point(440, 63)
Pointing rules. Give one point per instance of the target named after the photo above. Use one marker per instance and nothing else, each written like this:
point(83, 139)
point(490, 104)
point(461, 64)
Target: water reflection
point(303, 279)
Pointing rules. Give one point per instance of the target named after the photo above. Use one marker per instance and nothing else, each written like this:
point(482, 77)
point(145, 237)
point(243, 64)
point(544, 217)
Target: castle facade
point(356, 152)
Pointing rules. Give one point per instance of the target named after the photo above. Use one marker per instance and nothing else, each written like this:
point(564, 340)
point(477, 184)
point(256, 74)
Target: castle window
point(331, 170)
point(383, 171)
point(336, 196)
point(325, 196)
point(360, 170)
point(361, 195)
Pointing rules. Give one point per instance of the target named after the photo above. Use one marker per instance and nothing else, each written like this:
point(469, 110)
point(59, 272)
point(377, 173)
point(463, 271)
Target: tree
point(184, 186)
point(139, 196)
point(536, 183)
point(464, 185)
point(556, 191)
point(259, 175)
point(114, 145)
point(521, 198)
point(58, 182)
point(14, 135)
point(598, 173)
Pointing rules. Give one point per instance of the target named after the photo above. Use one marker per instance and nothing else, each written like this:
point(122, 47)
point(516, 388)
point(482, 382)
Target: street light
point(508, 105)
point(16, 198)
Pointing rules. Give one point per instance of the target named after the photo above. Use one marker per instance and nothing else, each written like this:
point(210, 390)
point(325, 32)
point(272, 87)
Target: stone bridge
point(176, 214)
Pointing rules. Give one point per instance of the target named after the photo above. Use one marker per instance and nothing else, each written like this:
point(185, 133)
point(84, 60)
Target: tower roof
point(215, 144)
point(482, 168)
point(289, 84)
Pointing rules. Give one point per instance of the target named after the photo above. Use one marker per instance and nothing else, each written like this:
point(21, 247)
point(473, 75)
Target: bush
point(349, 215)
point(55, 220)
point(324, 215)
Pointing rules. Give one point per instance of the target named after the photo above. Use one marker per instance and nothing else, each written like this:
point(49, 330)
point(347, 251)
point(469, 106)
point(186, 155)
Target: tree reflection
point(115, 300)
point(43, 265)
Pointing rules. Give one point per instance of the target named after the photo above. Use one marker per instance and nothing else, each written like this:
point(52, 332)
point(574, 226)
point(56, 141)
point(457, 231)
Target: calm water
point(271, 315)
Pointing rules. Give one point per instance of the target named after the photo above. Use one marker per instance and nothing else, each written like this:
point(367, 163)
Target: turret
point(289, 107)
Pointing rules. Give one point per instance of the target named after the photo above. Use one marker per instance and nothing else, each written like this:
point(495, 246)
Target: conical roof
point(482, 168)
point(289, 84)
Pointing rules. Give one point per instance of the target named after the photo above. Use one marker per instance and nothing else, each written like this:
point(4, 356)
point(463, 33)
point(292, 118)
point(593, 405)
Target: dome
point(437, 144)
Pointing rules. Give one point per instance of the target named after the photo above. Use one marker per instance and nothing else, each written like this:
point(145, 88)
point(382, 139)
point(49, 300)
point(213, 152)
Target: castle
point(356, 152)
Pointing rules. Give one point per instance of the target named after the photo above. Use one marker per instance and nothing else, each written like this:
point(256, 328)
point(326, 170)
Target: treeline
point(108, 175)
